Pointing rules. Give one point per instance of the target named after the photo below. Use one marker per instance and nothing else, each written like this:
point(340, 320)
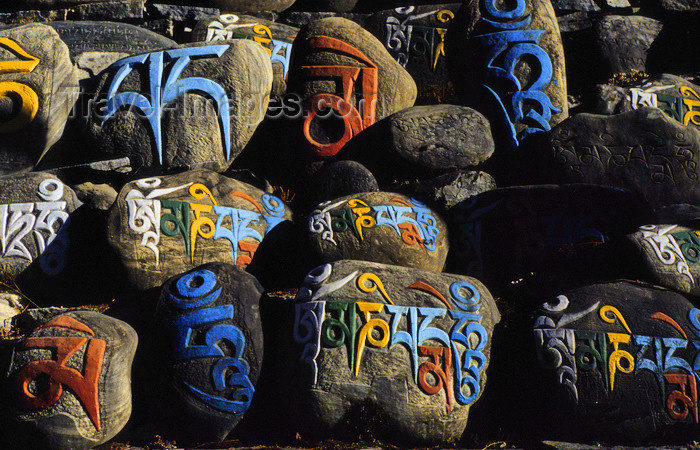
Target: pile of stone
point(419, 222)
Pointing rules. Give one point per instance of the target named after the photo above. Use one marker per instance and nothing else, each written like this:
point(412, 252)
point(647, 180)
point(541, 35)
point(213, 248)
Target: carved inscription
point(24, 99)
point(404, 39)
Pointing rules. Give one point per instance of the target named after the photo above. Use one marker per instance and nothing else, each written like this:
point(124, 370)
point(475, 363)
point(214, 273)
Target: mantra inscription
point(404, 39)
point(24, 99)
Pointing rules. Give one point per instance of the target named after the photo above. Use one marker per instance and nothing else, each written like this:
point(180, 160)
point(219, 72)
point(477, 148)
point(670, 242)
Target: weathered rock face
point(415, 37)
point(166, 225)
point(621, 356)
point(412, 344)
point(644, 151)
point(452, 188)
point(340, 178)
point(34, 221)
point(253, 5)
point(673, 95)
point(209, 386)
point(336, 55)
point(380, 227)
point(509, 64)
point(109, 37)
point(507, 234)
point(671, 254)
point(624, 42)
point(39, 85)
point(182, 107)
point(276, 38)
point(70, 381)
point(326, 5)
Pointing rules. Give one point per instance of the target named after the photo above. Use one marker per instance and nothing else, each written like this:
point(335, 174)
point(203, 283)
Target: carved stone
point(70, 381)
point(621, 356)
point(556, 233)
point(412, 345)
point(524, 92)
point(380, 227)
point(181, 107)
point(39, 84)
point(207, 388)
point(336, 56)
point(253, 5)
point(624, 42)
point(163, 226)
point(644, 151)
point(34, 222)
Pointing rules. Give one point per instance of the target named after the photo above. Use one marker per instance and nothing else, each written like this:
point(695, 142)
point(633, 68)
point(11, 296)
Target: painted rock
point(509, 64)
point(425, 141)
point(671, 254)
point(336, 56)
point(673, 95)
point(181, 107)
point(411, 344)
point(109, 37)
point(34, 221)
point(415, 37)
point(506, 234)
point(253, 5)
point(380, 227)
point(644, 151)
point(39, 85)
point(166, 225)
point(624, 42)
point(622, 357)
point(212, 346)
point(276, 38)
point(71, 381)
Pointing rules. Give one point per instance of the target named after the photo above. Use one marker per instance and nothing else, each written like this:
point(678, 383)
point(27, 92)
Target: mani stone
point(450, 189)
point(326, 5)
point(675, 96)
point(163, 226)
point(347, 81)
point(415, 37)
point(509, 64)
point(253, 5)
point(34, 222)
point(340, 178)
point(671, 255)
point(205, 389)
point(380, 227)
point(109, 37)
point(70, 380)
point(412, 345)
point(623, 42)
point(504, 235)
point(644, 151)
point(181, 107)
point(38, 86)
point(425, 141)
point(621, 356)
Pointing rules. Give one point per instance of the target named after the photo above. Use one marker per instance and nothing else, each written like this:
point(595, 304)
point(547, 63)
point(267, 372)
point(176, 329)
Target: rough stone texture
point(601, 347)
point(575, 5)
point(98, 196)
point(355, 352)
point(380, 227)
point(677, 213)
point(253, 5)
point(206, 389)
point(88, 400)
point(671, 254)
point(123, 10)
point(450, 189)
point(379, 78)
point(186, 127)
point(415, 37)
point(326, 5)
point(183, 13)
point(166, 225)
point(39, 85)
point(109, 37)
point(300, 18)
point(644, 151)
point(624, 42)
point(672, 94)
point(525, 96)
point(340, 178)
point(560, 232)
point(34, 212)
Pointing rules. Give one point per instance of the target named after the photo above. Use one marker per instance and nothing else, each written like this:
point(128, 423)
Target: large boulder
point(38, 85)
point(410, 347)
point(380, 227)
point(163, 226)
point(69, 382)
